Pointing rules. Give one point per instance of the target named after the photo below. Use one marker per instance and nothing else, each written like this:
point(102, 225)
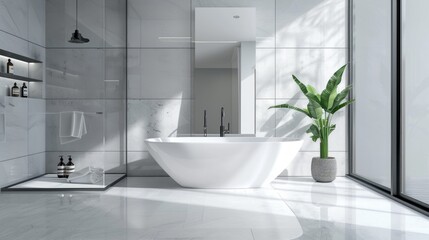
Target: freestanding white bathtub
point(227, 162)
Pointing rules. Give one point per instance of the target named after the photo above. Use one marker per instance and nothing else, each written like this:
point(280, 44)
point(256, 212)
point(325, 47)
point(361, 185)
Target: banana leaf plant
point(322, 107)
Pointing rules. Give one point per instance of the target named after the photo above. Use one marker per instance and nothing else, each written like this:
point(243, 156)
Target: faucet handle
point(228, 129)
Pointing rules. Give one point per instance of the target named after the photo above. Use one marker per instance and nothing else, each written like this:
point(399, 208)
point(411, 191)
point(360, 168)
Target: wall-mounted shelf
point(18, 57)
point(32, 69)
point(17, 77)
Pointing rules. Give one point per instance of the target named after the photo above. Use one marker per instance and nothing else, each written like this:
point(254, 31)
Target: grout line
point(15, 158)
point(28, 41)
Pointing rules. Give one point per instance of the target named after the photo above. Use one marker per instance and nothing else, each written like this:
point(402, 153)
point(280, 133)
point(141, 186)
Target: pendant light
point(76, 36)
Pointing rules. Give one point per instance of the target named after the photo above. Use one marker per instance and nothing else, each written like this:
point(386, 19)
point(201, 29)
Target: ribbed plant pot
point(324, 169)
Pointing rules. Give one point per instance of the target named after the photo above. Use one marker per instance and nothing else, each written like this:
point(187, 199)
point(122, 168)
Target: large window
point(415, 98)
point(390, 119)
point(371, 74)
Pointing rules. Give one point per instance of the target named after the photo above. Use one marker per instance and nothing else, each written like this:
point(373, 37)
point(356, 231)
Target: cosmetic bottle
point(9, 66)
point(69, 167)
point(15, 90)
point(24, 91)
point(61, 167)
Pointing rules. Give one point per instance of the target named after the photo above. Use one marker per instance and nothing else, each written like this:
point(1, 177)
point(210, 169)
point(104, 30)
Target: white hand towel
point(72, 126)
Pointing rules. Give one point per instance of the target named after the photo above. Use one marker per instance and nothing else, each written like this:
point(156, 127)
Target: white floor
point(157, 208)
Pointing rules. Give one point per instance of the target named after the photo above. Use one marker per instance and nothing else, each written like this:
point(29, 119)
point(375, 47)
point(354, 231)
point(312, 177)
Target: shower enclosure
point(389, 122)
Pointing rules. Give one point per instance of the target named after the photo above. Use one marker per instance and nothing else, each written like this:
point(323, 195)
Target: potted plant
point(321, 109)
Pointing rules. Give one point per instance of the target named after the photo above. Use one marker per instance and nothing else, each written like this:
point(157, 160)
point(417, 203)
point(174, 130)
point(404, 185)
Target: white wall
point(22, 144)
point(306, 38)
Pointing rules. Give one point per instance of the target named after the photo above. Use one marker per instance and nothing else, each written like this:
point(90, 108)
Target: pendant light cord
point(76, 13)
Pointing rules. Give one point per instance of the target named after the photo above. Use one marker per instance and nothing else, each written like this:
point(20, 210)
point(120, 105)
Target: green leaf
point(341, 96)
point(315, 131)
point(314, 109)
point(335, 80)
point(334, 110)
point(291, 107)
point(312, 90)
point(332, 128)
point(330, 92)
point(313, 98)
point(300, 85)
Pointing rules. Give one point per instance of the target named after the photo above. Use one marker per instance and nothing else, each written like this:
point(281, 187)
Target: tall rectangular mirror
point(224, 69)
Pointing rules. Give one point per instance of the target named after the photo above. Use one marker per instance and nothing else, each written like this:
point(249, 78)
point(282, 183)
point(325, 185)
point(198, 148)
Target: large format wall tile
point(75, 73)
point(13, 171)
point(115, 23)
point(114, 125)
point(36, 164)
point(36, 21)
point(13, 44)
point(115, 73)
point(14, 17)
point(16, 128)
point(143, 164)
point(311, 23)
point(61, 22)
point(265, 73)
point(265, 118)
point(156, 118)
point(36, 125)
point(150, 22)
point(310, 66)
point(159, 73)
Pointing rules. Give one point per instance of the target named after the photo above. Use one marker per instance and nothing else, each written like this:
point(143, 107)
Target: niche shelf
point(18, 57)
point(33, 70)
point(17, 77)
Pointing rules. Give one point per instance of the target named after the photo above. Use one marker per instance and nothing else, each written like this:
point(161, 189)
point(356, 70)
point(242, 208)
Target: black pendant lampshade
point(76, 36)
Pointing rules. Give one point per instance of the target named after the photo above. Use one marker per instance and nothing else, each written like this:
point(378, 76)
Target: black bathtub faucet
point(222, 127)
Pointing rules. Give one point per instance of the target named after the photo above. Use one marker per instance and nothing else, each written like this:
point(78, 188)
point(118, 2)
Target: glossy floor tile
point(157, 208)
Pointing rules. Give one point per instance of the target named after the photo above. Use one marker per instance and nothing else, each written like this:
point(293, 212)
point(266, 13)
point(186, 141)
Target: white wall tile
point(36, 164)
point(150, 20)
point(75, 73)
point(16, 115)
point(36, 125)
point(162, 73)
point(156, 118)
point(115, 73)
point(265, 118)
point(36, 21)
point(13, 171)
point(115, 23)
point(311, 23)
point(14, 17)
point(310, 66)
point(265, 73)
point(61, 22)
point(114, 125)
point(13, 44)
point(143, 164)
